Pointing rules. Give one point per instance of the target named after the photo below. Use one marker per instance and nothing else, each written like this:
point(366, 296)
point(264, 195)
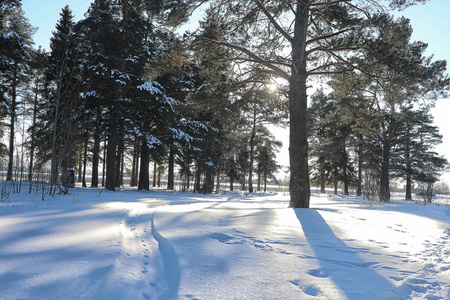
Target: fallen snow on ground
point(96, 244)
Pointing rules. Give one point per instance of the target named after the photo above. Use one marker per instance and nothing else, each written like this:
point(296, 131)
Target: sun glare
point(272, 87)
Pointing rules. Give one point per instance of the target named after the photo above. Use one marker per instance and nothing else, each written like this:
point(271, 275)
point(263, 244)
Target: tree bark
point(322, 174)
point(197, 178)
point(144, 173)
point(408, 191)
point(170, 178)
point(385, 194)
point(298, 143)
point(85, 160)
point(104, 162)
point(154, 173)
point(119, 162)
point(9, 172)
point(360, 166)
point(135, 166)
point(96, 152)
point(111, 161)
point(252, 150)
point(33, 138)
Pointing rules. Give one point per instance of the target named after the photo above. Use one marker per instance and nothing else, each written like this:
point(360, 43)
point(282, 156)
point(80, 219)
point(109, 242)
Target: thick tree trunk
point(144, 173)
point(298, 142)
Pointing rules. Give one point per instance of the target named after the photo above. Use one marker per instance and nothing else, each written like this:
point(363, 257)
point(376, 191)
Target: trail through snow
point(159, 245)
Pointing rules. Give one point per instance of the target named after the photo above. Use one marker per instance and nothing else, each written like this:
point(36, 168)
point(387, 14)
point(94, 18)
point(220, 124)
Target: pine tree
point(15, 48)
point(319, 34)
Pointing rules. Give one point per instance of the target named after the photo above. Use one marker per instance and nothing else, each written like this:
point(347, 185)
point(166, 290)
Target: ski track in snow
point(171, 264)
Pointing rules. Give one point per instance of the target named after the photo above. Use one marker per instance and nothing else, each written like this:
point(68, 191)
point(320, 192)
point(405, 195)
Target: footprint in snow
point(312, 290)
point(318, 273)
point(309, 290)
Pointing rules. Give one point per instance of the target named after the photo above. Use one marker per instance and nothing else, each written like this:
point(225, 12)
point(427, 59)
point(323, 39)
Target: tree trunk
point(408, 191)
point(265, 181)
point(144, 173)
point(170, 176)
point(360, 165)
point(96, 152)
point(85, 160)
point(33, 138)
point(9, 172)
point(80, 167)
point(159, 176)
point(335, 179)
point(197, 178)
point(119, 162)
point(385, 194)
point(345, 177)
point(258, 184)
point(298, 143)
point(104, 163)
point(154, 173)
point(135, 166)
point(111, 161)
point(218, 180)
point(322, 174)
point(252, 150)
point(208, 185)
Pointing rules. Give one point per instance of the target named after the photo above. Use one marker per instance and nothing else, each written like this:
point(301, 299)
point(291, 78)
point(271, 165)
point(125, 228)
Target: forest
point(123, 91)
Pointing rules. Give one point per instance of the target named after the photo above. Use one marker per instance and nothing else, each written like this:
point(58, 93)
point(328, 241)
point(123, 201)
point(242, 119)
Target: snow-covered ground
point(96, 244)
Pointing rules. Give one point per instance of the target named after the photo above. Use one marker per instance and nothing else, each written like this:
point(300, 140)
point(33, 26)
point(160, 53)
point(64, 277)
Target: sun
point(272, 87)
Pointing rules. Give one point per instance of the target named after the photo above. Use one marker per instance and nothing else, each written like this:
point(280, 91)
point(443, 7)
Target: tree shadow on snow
point(354, 277)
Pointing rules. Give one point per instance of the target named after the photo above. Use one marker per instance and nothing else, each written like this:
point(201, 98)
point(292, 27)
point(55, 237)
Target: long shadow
point(354, 277)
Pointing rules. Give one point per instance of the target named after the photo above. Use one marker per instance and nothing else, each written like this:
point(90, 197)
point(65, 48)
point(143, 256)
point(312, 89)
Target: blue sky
point(431, 24)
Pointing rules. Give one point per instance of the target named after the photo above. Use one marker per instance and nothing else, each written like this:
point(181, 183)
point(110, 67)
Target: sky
point(430, 23)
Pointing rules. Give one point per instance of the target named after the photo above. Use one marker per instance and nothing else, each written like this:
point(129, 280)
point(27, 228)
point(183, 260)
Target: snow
point(96, 244)
point(151, 86)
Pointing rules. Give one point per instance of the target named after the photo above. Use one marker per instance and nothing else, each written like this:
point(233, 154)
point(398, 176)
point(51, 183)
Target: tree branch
point(256, 58)
point(319, 38)
point(273, 21)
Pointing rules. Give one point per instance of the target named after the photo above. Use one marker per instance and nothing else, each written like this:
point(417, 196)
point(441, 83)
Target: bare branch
point(327, 36)
point(324, 49)
point(273, 21)
point(256, 58)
